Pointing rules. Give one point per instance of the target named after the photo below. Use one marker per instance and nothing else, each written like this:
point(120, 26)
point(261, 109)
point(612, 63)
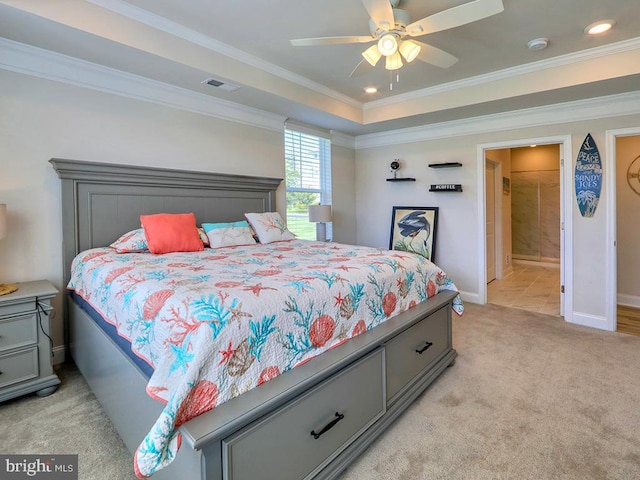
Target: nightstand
point(25, 345)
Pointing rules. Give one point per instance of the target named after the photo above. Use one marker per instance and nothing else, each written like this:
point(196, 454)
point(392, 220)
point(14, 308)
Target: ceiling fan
point(389, 26)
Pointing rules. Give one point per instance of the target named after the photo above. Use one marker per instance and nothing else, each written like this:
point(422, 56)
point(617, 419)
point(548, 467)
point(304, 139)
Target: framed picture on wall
point(413, 229)
point(506, 185)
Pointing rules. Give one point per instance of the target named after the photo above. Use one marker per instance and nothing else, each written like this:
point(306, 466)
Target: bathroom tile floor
point(529, 287)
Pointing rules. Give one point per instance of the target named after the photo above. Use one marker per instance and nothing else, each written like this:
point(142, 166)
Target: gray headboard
point(101, 201)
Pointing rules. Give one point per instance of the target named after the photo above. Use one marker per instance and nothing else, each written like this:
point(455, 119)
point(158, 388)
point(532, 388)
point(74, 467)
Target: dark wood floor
point(629, 320)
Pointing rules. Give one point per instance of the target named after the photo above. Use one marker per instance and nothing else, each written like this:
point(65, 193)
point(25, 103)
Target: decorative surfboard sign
point(588, 177)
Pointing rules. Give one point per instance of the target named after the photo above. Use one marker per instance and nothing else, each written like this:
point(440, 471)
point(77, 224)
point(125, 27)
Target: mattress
point(217, 323)
point(112, 333)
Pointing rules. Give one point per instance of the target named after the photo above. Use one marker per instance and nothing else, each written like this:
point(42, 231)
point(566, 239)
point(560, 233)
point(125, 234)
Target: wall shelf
point(445, 165)
point(401, 179)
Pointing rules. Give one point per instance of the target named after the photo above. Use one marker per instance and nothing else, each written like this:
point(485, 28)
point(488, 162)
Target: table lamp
point(320, 215)
point(5, 287)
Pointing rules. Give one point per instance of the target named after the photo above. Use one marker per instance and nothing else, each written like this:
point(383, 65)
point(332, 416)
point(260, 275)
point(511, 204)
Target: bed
point(324, 412)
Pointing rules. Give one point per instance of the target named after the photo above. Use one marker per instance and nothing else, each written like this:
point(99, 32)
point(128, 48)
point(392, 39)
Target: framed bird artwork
point(413, 229)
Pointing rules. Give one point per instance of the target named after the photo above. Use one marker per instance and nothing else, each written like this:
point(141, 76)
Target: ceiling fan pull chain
point(390, 80)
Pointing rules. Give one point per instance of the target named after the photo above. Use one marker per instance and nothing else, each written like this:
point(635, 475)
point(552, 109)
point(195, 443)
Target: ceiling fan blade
point(456, 16)
point(306, 42)
point(362, 68)
point(380, 12)
point(435, 56)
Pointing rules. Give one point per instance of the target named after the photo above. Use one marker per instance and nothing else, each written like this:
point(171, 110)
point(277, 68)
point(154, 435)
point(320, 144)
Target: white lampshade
point(388, 44)
point(3, 220)
point(393, 62)
point(319, 213)
point(409, 50)
point(372, 55)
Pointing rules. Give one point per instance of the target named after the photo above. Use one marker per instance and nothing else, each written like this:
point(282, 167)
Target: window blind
point(308, 179)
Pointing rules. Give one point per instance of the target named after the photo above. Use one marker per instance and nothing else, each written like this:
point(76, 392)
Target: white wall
point(456, 230)
point(458, 234)
point(343, 194)
point(41, 119)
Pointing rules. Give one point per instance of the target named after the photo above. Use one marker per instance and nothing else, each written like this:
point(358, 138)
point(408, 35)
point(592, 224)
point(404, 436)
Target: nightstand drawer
point(18, 331)
point(12, 309)
point(18, 366)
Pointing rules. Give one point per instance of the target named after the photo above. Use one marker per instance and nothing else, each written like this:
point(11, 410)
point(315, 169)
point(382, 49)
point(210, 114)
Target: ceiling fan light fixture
point(600, 26)
point(372, 55)
point(388, 44)
point(393, 62)
point(409, 50)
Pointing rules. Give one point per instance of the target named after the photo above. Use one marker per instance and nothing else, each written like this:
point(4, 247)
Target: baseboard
point(58, 355)
point(587, 320)
point(470, 297)
point(629, 300)
point(538, 263)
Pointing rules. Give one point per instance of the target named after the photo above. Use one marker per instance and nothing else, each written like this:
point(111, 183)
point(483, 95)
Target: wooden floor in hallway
point(529, 287)
point(628, 320)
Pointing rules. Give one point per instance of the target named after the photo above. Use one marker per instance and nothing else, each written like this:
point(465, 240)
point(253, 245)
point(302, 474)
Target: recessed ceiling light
point(538, 44)
point(600, 26)
point(371, 89)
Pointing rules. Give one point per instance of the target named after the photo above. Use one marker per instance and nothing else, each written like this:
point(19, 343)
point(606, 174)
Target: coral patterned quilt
point(216, 323)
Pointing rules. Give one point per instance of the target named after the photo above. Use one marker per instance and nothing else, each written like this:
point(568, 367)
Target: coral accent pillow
point(228, 234)
point(269, 227)
point(171, 232)
point(131, 242)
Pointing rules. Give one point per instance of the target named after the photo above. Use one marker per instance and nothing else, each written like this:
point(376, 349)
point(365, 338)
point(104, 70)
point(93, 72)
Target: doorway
point(524, 240)
point(625, 311)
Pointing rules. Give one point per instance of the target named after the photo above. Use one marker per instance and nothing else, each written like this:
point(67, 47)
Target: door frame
point(611, 254)
point(566, 215)
point(496, 168)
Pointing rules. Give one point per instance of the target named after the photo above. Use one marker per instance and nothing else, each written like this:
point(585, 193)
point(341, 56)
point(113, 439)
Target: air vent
point(229, 87)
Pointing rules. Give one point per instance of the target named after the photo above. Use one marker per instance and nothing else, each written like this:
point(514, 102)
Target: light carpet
point(530, 397)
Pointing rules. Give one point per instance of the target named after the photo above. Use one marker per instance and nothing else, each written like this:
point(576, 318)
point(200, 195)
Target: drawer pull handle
point(422, 350)
point(328, 426)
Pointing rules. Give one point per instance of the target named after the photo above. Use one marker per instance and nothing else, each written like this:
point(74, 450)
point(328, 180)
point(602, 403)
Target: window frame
point(303, 144)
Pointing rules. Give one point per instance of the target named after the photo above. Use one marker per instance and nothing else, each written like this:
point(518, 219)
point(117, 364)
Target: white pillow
point(228, 234)
point(131, 242)
point(269, 227)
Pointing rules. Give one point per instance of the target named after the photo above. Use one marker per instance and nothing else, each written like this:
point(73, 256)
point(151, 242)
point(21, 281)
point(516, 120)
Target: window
point(308, 179)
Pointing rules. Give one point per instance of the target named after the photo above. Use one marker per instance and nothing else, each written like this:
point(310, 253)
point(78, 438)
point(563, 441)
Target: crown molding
point(172, 28)
point(559, 61)
point(342, 139)
point(590, 109)
point(33, 61)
